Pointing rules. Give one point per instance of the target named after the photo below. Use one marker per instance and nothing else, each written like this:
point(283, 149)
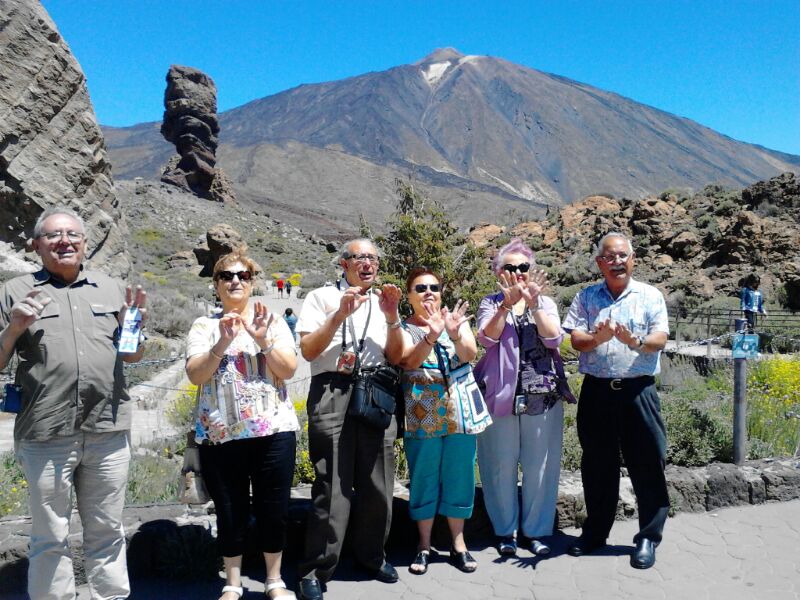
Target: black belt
point(620, 383)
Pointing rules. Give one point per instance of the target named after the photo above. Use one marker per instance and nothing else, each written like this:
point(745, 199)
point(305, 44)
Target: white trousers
point(96, 466)
point(533, 443)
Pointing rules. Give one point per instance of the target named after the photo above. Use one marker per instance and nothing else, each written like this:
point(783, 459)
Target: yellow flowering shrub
point(773, 389)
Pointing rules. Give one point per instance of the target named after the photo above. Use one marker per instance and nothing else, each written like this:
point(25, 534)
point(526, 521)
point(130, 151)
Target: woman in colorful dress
point(520, 328)
point(441, 457)
point(245, 424)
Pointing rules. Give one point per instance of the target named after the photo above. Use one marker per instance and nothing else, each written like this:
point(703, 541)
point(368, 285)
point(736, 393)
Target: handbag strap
point(558, 362)
point(357, 347)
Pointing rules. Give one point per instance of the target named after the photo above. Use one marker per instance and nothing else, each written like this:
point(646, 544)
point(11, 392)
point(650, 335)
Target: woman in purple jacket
point(520, 327)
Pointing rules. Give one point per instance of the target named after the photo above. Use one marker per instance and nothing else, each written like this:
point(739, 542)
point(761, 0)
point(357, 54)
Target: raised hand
point(133, 301)
point(28, 310)
point(389, 302)
point(604, 330)
point(511, 288)
point(453, 320)
point(351, 300)
point(260, 324)
point(229, 326)
point(435, 320)
point(536, 284)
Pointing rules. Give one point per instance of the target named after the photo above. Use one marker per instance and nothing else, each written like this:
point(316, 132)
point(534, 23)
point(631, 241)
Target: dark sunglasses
point(229, 275)
point(421, 288)
point(522, 268)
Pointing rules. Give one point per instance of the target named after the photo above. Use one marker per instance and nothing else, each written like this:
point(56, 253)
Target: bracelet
point(452, 339)
point(214, 354)
point(268, 349)
point(506, 308)
point(427, 341)
point(393, 324)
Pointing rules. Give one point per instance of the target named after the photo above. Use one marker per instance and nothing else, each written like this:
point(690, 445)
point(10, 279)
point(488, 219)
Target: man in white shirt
point(336, 326)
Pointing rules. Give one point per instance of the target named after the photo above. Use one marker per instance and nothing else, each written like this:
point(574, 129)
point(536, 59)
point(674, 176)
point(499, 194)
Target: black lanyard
point(349, 322)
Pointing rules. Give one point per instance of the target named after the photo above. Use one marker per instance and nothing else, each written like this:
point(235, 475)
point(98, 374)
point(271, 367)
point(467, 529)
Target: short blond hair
point(226, 260)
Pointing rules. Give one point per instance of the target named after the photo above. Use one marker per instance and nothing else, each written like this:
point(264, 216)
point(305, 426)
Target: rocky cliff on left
point(51, 148)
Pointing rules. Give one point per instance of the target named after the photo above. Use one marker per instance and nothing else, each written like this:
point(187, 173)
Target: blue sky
point(731, 65)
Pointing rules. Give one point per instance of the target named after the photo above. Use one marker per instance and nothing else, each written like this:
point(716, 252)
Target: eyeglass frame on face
point(362, 258)
point(229, 275)
point(520, 268)
point(73, 237)
point(421, 288)
point(612, 258)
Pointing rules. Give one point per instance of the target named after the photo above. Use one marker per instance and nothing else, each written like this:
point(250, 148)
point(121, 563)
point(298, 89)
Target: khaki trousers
point(95, 467)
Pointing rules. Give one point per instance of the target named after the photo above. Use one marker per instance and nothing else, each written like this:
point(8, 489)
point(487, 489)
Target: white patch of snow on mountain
point(501, 182)
point(468, 58)
point(435, 71)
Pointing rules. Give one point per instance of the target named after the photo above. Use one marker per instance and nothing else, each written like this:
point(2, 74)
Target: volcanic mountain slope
point(484, 135)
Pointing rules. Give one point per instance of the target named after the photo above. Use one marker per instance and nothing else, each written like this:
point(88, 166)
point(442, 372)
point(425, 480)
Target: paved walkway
point(746, 553)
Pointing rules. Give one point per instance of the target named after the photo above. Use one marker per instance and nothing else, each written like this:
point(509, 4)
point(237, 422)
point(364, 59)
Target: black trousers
point(352, 461)
point(229, 469)
point(622, 415)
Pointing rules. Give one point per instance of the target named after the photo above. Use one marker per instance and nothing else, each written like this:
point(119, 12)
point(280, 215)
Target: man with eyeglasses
point(64, 323)
point(620, 327)
point(340, 327)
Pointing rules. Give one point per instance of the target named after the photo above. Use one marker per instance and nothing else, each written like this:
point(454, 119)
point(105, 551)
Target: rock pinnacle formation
point(190, 122)
point(51, 147)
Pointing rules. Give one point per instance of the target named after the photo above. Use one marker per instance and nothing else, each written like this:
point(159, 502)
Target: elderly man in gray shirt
point(64, 322)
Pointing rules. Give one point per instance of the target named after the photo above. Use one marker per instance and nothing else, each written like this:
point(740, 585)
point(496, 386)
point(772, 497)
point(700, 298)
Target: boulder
point(481, 235)
point(52, 151)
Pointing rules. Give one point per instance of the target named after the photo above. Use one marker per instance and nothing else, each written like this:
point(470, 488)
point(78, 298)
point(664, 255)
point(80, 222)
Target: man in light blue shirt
point(620, 327)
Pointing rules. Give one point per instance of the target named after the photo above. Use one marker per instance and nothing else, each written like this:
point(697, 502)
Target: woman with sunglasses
point(441, 458)
point(245, 423)
point(519, 326)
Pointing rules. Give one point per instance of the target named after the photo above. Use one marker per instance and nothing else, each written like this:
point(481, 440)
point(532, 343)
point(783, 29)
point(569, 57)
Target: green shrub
point(696, 435)
point(153, 478)
point(180, 413)
point(13, 486)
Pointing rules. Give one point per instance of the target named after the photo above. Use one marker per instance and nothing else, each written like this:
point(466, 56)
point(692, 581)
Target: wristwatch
point(639, 342)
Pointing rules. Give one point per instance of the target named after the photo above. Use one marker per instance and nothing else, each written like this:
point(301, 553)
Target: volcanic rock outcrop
point(221, 239)
point(190, 122)
point(51, 147)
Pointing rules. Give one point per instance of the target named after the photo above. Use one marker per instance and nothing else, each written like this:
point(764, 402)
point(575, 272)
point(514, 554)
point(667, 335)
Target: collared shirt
point(69, 368)
point(320, 304)
point(640, 307)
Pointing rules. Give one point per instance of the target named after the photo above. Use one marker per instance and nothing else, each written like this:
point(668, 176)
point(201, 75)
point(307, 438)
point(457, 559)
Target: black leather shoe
point(583, 546)
point(310, 589)
point(644, 555)
point(387, 573)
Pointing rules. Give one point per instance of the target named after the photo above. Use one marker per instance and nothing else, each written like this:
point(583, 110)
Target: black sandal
point(422, 559)
point(461, 560)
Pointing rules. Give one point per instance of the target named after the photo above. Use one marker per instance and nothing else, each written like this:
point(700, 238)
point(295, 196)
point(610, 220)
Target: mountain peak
point(441, 55)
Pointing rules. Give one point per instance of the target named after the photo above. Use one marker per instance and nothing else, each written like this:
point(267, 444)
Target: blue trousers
point(442, 476)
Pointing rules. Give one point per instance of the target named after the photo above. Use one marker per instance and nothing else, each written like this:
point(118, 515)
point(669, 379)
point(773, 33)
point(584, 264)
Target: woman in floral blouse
point(245, 422)
point(441, 457)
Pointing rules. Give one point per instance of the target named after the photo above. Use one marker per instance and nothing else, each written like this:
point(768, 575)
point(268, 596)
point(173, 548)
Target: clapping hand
point(511, 288)
point(352, 298)
point(605, 330)
point(389, 301)
point(131, 301)
point(260, 324)
point(453, 320)
point(536, 284)
point(623, 334)
point(229, 326)
point(435, 320)
point(28, 310)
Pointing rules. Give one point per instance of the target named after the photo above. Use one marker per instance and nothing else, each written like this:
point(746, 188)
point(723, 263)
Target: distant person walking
point(288, 288)
point(279, 283)
point(291, 321)
point(752, 301)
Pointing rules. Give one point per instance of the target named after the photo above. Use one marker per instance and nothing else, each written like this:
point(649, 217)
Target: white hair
point(613, 234)
point(344, 251)
point(57, 210)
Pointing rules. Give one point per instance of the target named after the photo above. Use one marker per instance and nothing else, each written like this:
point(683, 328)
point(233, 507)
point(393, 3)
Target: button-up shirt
point(640, 307)
point(69, 368)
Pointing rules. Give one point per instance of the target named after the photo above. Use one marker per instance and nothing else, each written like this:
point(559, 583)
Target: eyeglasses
point(362, 258)
point(229, 275)
point(610, 258)
point(421, 288)
point(72, 236)
point(522, 268)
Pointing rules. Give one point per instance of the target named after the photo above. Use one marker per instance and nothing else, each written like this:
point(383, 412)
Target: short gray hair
point(612, 234)
point(57, 210)
point(344, 253)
